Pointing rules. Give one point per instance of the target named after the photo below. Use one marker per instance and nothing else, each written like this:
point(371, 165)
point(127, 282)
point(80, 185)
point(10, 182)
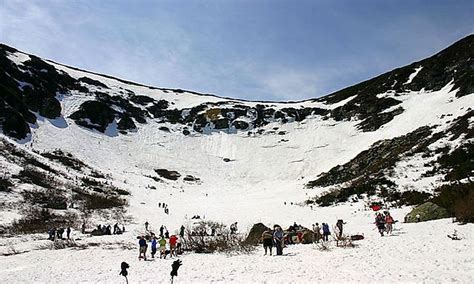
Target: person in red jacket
point(388, 223)
point(173, 241)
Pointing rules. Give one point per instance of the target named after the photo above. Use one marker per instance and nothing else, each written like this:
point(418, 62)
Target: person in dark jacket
point(339, 226)
point(380, 223)
point(267, 238)
point(181, 231)
point(142, 248)
point(326, 232)
point(68, 232)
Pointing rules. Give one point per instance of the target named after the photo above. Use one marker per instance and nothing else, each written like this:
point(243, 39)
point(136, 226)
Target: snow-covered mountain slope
point(197, 151)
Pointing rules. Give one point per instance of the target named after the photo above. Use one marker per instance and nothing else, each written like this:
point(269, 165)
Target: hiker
point(142, 248)
point(295, 226)
point(162, 243)
point(161, 230)
point(388, 222)
point(159, 204)
point(51, 234)
point(116, 229)
point(173, 240)
point(326, 232)
point(108, 230)
point(181, 231)
point(60, 233)
point(233, 228)
point(267, 238)
point(179, 246)
point(174, 269)
point(68, 232)
point(380, 223)
point(124, 266)
point(317, 232)
point(83, 228)
point(339, 226)
point(167, 234)
point(153, 247)
point(123, 229)
point(146, 226)
point(418, 218)
point(278, 239)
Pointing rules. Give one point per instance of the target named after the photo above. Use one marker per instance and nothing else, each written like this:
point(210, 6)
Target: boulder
point(255, 233)
point(308, 237)
point(427, 211)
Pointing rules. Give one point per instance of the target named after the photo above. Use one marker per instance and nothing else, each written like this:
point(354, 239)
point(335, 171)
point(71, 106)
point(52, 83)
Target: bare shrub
point(323, 246)
point(49, 198)
point(464, 208)
point(31, 175)
point(199, 240)
point(5, 184)
point(94, 201)
point(40, 220)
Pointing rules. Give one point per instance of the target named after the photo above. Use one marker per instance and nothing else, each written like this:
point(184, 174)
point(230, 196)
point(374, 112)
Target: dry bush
point(198, 240)
point(5, 184)
point(40, 220)
point(49, 198)
point(94, 201)
point(323, 246)
point(33, 176)
point(464, 208)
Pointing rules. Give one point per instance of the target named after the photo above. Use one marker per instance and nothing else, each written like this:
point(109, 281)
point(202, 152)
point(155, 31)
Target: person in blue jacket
point(153, 247)
point(326, 232)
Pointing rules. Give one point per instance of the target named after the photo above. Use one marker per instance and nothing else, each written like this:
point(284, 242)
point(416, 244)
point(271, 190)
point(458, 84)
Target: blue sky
point(260, 49)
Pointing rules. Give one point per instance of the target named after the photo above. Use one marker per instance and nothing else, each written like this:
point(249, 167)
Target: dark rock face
point(367, 172)
point(126, 123)
point(94, 115)
point(190, 178)
point(32, 87)
point(171, 175)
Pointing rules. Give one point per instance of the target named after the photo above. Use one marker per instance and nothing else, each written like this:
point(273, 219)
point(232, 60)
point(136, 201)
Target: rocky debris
point(190, 178)
point(170, 175)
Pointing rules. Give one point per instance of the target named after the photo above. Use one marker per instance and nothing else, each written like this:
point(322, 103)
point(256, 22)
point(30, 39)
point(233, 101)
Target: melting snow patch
point(413, 75)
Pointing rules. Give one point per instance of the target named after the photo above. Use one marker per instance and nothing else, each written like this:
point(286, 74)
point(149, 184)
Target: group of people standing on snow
point(384, 222)
point(278, 238)
point(57, 233)
point(275, 238)
point(167, 245)
point(323, 232)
